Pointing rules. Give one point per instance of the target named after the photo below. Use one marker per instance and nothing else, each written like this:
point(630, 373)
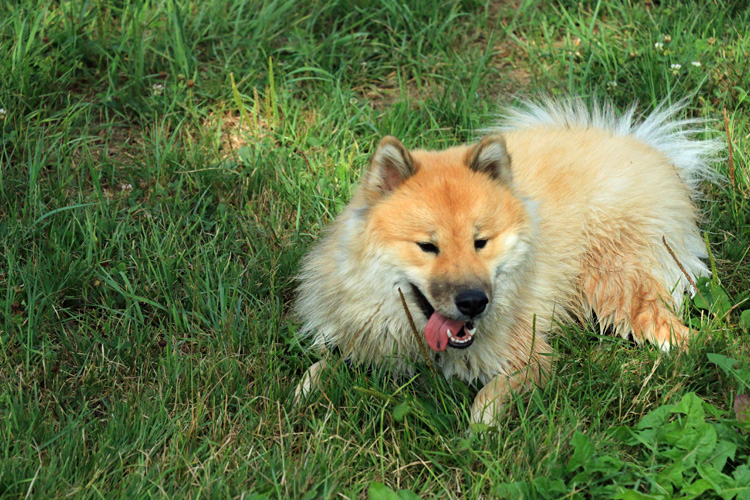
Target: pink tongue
point(437, 328)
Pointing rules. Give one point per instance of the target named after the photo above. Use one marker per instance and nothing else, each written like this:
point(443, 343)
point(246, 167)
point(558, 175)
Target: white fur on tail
point(661, 129)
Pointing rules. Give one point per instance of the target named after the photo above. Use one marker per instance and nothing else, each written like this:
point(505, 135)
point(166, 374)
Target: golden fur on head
point(560, 216)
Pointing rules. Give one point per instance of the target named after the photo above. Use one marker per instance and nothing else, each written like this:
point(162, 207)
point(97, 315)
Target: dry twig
point(417, 337)
point(679, 264)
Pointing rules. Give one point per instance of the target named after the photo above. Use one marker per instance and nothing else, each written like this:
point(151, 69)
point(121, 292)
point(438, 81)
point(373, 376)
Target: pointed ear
point(491, 157)
point(390, 166)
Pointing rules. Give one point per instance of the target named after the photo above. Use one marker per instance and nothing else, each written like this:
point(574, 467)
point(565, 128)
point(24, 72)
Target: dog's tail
point(682, 140)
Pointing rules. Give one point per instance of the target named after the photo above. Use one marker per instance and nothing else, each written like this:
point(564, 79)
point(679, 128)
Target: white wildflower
point(676, 66)
point(696, 64)
point(659, 45)
point(2, 113)
point(611, 84)
point(158, 88)
point(126, 187)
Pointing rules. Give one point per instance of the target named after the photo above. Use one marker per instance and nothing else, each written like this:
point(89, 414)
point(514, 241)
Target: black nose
point(471, 302)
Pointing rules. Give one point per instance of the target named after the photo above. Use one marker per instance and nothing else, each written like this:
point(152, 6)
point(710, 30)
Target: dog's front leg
point(490, 402)
point(310, 381)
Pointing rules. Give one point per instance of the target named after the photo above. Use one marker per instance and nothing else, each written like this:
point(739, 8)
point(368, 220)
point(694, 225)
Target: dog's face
point(450, 223)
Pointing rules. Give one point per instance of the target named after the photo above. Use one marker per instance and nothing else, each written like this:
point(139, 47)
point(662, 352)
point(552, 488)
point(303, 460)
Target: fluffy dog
point(560, 213)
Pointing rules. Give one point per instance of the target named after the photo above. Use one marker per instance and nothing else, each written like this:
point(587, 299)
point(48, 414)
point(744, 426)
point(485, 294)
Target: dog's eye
point(428, 247)
point(479, 244)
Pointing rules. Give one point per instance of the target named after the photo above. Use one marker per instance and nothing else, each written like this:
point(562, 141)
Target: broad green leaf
point(712, 297)
point(655, 418)
point(402, 410)
point(672, 474)
point(606, 464)
point(692, 406)
point(742, 480)
point(620, 433)
point(745, 321)
point(697, 488)
point(379, 491)
point(514, 491)
point(723, 451)
point(718, 480)
point(549, 488)
point(584, 450)
point(634, 495)
point(408, 495)
point(310, 495)
point(465, 444)
point(700, 441)
point(739, 370)
point(704, 298)
point(479, 427)
point(722, 305)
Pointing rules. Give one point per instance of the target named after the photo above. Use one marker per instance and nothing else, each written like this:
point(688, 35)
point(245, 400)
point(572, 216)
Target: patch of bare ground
point(234, 131)
point(389, 91)
point(502, 8)
point(517, 78)
point(509, 59)
point(121, 147)
point(229, 132)
point(259, 121)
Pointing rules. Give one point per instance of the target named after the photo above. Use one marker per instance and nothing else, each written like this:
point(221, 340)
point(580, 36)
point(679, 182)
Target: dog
point(563, 212)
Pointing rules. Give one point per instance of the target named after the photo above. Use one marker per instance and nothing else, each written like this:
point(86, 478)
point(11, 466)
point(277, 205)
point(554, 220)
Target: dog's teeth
point(471, 332)
point(450, 336)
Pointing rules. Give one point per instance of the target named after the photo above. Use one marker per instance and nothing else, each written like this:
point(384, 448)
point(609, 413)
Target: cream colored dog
point(559, 213)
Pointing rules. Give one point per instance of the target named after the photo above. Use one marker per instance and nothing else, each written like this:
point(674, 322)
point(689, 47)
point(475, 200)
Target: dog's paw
point(668, 335)
point(309, 381)
point(674, 336)
point(490, 402)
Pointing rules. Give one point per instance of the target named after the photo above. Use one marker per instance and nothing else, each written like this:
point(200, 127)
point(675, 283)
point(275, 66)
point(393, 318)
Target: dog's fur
point(558, 214)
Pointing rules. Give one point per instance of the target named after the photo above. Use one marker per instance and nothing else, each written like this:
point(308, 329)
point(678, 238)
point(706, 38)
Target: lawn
point(165, 164)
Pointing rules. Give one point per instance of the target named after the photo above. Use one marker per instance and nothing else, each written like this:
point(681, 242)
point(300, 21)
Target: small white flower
point(696, 63)
point(676, 66)
point(2, 113)
point(659, 45)
point(126, 187)
point(611, 84)
point(157, 88)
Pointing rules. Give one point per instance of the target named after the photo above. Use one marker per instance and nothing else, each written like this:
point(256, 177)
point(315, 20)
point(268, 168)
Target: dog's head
point(451, 223)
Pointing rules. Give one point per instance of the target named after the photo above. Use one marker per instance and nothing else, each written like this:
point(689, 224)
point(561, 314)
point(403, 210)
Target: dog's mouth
point(442, 332)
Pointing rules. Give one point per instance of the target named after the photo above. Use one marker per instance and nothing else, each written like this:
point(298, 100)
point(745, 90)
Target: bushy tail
point(676, 138)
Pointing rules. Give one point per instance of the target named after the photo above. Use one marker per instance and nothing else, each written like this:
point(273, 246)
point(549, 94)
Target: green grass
point(153, 214)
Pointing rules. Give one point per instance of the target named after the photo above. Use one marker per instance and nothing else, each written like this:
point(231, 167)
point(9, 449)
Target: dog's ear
point(390, 166)
point(491, 157)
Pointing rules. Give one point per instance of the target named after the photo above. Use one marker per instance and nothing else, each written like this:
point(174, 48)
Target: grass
point(164, 166)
